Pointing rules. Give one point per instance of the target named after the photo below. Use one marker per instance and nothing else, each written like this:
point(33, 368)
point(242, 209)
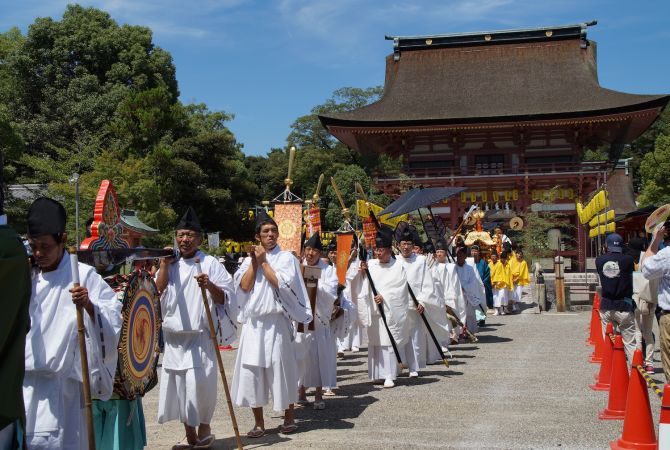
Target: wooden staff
point(212, 334)
point(83, 356)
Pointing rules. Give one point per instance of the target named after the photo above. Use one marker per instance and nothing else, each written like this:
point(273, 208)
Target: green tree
point(654, 171)
point(68, 78)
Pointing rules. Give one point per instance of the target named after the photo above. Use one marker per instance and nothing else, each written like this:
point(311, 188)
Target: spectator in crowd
point(615, 270)
point(645, 295)
point(656, 266)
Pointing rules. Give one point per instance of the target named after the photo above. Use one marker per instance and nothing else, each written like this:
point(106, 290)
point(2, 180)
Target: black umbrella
point(399, 201)
point(422, 198)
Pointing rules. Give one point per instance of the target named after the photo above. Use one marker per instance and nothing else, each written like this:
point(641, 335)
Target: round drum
point(136, 372)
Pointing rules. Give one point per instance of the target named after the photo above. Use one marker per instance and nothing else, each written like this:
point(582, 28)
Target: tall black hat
point(441, 245)
point(46, 216)
point(315, 242)
point(262, 218)
point(406, 235)
point(189, 221)
point(384, 237)
point(417, 239)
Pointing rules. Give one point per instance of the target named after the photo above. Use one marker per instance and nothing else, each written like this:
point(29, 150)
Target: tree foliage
point(84, 94)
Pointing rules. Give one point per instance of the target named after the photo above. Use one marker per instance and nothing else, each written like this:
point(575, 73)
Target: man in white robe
point(270, 295)
point(318, 366)
point(389, 278)
point(52, 386)
point(472, 293)
point(421, 349)
point(443, 274)
point(188, 382)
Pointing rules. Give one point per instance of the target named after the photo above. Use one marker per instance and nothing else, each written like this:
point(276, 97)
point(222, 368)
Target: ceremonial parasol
point(421, 198)
point(398, 202)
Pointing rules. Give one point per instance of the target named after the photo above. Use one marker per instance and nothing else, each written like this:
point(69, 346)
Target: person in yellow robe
point(501, 280)
point(519, 268)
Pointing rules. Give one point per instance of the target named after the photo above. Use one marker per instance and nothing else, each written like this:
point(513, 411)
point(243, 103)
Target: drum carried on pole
point(136, 372)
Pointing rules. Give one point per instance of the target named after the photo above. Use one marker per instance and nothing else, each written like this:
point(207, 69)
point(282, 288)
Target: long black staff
point(212, 335)
point(430, 331)
point(362, 254)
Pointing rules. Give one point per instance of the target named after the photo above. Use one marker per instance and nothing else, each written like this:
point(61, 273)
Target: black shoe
point(481, 323)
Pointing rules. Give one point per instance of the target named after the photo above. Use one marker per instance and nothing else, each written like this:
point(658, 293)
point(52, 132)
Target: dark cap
point(315, 242)
point(46, 216)
point(384, 237)
point(262, 218)
point(614, 243)
point(189, 221)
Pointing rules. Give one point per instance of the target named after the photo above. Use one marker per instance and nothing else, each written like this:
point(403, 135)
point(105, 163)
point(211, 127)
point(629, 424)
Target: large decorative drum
point(138, 344)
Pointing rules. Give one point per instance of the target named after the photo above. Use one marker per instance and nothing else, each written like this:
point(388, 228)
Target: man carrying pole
point(188, 379)
point(52, 387)
point(390, 291)
point(422, 349)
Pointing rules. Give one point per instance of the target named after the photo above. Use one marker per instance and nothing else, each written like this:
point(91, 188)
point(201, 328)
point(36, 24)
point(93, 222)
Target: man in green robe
point(15, 286)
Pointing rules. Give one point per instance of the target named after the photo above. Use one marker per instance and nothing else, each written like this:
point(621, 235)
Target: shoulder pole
point(212, 334)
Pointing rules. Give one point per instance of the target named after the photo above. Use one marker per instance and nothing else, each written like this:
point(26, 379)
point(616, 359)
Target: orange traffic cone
point(595, 326)
point(638, 425)
point(664, 421)
point(603, 380)
point(616, 404)
point(599, 349)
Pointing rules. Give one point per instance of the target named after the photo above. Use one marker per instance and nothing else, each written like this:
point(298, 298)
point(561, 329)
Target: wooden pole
point(212, 334)
point(83, 356)
point(559, 284)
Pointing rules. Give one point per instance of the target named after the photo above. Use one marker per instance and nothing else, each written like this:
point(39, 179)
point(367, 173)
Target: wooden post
point(559, 284)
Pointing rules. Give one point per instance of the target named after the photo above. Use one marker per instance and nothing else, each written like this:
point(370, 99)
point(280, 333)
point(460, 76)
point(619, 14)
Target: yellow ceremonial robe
point(519, 271)
point(501, 276)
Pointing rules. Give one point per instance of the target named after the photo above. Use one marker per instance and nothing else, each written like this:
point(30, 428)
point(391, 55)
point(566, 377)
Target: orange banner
point(344, 241)
point(312, 221)
point(289, 220)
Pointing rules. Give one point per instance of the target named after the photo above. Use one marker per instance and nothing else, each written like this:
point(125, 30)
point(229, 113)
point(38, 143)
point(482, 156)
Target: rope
point(649, 381)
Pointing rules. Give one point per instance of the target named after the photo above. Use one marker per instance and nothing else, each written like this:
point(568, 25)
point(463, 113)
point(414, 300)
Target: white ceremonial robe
point(420, 278)
point(453, 293)
point(356, 335)
point(391, 282)
point(266, 358)
point(472, 293)
point(52, 386)
point(188, 380)
point(317, 361)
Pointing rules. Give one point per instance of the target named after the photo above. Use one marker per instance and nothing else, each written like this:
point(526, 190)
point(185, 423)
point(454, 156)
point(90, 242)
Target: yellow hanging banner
point(602, 218)
point(363, 209)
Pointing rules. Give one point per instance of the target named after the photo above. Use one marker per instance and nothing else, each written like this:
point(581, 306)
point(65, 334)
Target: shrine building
point(506, 114)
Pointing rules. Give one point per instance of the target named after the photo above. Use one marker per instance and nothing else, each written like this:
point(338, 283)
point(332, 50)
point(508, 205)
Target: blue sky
point(269, 62)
